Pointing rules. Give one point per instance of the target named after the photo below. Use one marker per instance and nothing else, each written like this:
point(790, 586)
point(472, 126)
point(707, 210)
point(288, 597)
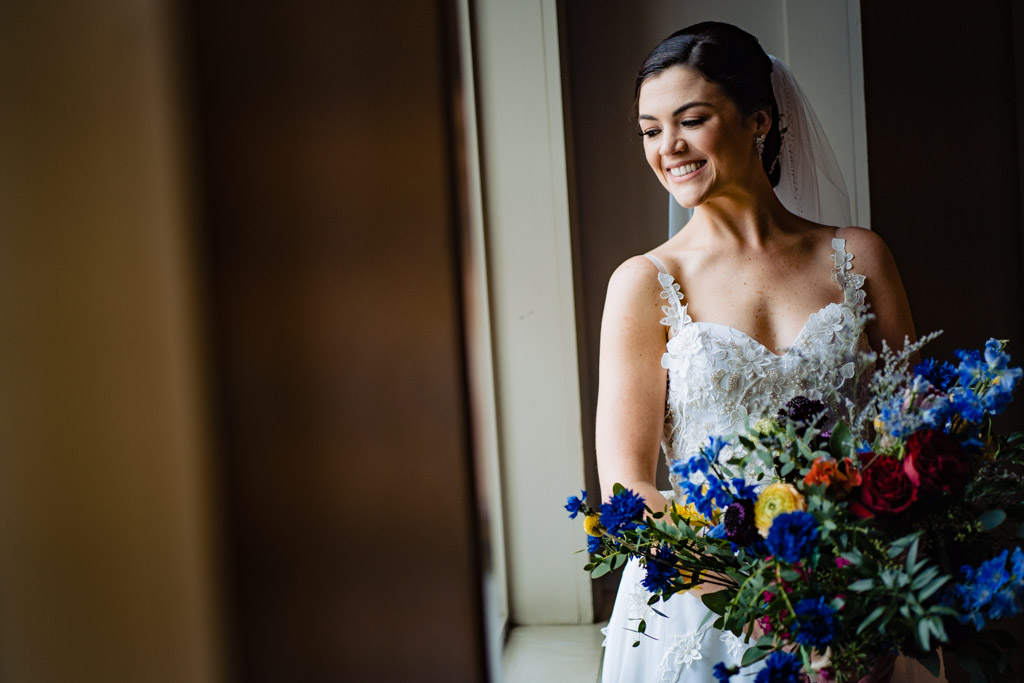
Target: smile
point(687, 169)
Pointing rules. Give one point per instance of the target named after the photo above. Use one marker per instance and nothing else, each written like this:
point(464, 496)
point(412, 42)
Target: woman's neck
point(749, 220)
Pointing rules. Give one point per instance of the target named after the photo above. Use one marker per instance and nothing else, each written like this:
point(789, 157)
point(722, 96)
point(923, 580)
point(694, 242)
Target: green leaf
point(841, 441)
point(923, 633)
point(787, 468)
point(990, 519)
point(717, 602)
point(617, 488)
point(912, 557)
point(871, 618)
point(600, 570)
point(934, 586)
point(754, 654)
point(862, 585)
point(618, 561)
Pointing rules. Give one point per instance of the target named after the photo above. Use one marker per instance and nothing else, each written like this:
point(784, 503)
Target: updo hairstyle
point(732, 58)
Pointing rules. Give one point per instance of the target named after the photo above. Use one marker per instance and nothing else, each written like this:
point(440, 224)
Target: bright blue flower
point(717, 531)
point(593, 544)
point(622, 512)
point(714, 447)
point(660, 571)
point(997, 397)
point(1017, 564)
point(940, 375)
point(742, 489)
point(780, 667)
point(994, 356)
point(573, 504)
point(992, 590)
point(967, 404)
point(816, 623)
point(723, 673)
point(792, 536)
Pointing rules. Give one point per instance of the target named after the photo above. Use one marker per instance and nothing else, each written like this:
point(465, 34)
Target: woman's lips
point(686, 171)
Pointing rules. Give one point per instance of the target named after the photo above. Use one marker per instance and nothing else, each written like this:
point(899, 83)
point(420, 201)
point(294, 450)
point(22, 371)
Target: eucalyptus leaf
point(862, 585)
point(600, 570)
point(879, 611)
point(841, 441)
point(990, 519)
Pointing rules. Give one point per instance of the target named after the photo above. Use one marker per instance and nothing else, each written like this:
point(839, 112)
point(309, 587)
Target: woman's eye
point(693, 123)
point(649, 133)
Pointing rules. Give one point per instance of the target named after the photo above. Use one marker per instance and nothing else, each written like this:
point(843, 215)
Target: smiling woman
point(760, 281)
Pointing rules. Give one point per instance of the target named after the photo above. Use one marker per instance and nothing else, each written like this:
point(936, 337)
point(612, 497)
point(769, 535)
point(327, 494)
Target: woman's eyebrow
point(678, 111)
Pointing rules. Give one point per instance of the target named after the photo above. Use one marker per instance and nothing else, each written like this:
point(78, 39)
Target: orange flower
point(843, 475)
point(823, 471)
point(847, 475)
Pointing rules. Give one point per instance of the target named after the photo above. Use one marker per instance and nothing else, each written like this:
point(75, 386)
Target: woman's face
point(696, 140)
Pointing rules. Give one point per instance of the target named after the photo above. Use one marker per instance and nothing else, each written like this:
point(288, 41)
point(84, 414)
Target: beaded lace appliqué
point(719, 376)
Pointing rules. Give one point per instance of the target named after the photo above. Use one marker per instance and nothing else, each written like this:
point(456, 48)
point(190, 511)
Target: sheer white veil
point(811, 184)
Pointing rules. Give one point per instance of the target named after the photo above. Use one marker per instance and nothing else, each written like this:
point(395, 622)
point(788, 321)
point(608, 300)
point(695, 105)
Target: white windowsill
point(555, 654)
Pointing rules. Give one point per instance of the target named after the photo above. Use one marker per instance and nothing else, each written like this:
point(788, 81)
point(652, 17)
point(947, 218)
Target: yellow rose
point(775, 500)
point(689, 513)
point(592, 524)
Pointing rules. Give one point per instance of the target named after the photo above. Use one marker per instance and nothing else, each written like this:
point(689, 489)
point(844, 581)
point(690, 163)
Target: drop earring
point(759, 144)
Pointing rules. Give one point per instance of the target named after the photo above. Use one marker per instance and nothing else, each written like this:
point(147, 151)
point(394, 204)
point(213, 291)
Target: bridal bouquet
point(898, 530)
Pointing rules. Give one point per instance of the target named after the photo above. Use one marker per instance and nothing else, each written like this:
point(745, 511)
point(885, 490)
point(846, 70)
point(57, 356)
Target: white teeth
point(686, 168)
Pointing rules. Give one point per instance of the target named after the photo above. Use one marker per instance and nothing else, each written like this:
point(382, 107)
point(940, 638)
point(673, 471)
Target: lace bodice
point(718, 376)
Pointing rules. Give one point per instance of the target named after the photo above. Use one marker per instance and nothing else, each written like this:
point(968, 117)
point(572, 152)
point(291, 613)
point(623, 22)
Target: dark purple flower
point(739, 523)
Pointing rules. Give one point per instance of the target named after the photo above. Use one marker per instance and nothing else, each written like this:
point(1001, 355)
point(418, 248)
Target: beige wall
point(105, 570)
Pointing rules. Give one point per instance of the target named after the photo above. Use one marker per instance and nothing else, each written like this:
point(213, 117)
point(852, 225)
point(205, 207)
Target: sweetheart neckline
point(789, 348)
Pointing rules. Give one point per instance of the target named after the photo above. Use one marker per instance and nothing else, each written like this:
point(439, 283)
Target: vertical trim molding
point(532, 305)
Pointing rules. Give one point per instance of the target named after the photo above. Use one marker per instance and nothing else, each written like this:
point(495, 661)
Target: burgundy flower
point(935, 463)
point(886, 489)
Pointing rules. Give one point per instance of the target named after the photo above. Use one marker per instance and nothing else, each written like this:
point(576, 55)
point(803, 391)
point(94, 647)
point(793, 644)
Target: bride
point(748, 306)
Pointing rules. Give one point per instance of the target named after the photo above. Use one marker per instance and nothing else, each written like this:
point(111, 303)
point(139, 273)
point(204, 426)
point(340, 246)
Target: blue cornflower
point(622, 512)
point(780, 667)
point(660, 571)
point(723, 673)
point(593, 544)
point(940, 375)
point(792, 536)
point(816, 623)
point(573, 504)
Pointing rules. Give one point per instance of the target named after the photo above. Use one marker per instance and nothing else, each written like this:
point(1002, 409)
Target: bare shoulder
point(636, 280)
point(871, 255)
point(633, 302)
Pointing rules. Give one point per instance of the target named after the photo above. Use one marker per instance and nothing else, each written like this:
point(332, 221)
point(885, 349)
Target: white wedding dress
point(717, 377)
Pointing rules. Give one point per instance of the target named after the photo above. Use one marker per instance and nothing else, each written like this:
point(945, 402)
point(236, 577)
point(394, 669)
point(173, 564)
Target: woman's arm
point(883, 288)
point(632, 386)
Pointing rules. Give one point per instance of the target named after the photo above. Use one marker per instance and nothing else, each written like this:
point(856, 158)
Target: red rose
point(885, 488)
point(935, 463)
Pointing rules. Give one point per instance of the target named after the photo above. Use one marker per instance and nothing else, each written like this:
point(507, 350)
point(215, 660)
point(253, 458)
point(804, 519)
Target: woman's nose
point(672, 142)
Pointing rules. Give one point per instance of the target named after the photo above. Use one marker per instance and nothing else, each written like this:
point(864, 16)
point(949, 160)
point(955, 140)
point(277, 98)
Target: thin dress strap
point(675, 312)
point(851, 283)
point(657, 262)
